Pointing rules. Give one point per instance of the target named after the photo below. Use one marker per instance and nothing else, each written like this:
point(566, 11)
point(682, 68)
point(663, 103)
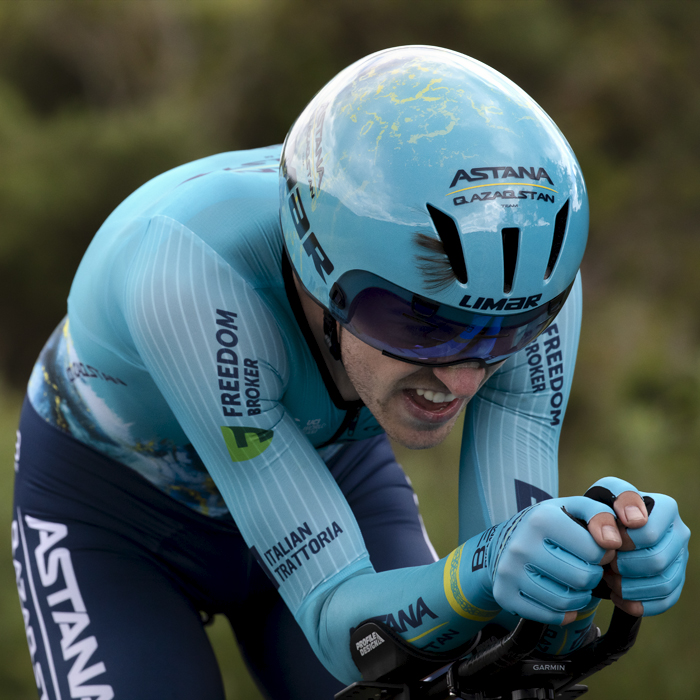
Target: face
point(417, 406)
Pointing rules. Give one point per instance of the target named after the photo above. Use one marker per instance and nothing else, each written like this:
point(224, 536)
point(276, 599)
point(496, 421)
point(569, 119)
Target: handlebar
point(507, 667)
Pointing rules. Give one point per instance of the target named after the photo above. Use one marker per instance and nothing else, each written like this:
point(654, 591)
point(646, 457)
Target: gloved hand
point(543, 563)
point(646, 575)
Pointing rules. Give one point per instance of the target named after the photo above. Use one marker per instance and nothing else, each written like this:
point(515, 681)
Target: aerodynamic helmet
point(432, 207)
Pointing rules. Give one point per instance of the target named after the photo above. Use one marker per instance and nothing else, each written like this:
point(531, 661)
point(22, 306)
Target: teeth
point(435, 396)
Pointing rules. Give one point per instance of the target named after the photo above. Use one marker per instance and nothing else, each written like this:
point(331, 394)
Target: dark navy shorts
point(115, 578)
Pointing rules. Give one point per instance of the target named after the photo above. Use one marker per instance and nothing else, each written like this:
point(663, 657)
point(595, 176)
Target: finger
point(564, 524)
point(603, 528)
point(598, 519)
point(607, 489)
point(614, 566)
point(627, 542)
point(631, 510)
point(614, 581)
point(569, 617)
point(567, 569)
point(609, 557)
point(631, 607)
point(657, 559)
point(656, 607)
point(628, 504)
point(664, 515)
point(536, 607)
point(656, 587)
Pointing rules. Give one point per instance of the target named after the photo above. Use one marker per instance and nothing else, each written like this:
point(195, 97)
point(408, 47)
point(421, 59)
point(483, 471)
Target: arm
point(511, 437)
point(198, 327)
point(524, 403)
point(194, 321)
point(512, 427)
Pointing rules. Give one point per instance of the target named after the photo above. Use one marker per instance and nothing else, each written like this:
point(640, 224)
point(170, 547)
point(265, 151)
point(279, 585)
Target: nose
point(461, 380)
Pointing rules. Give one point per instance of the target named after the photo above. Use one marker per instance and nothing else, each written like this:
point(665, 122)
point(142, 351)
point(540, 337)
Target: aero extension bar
point(507, 667)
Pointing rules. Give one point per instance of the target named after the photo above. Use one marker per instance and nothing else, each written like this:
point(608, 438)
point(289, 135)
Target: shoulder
point(231, 202)
point(202, 194)
point(184, 192)
point(225, 203)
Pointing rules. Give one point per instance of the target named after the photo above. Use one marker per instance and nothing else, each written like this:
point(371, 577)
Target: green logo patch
point(246, 443)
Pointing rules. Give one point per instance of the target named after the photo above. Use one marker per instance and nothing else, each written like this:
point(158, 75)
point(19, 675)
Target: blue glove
point(654, 572)
point(540, 564)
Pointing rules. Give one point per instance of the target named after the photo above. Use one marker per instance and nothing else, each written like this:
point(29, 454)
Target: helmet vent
point(511, 240)
point(449, 235)
point(558, 238)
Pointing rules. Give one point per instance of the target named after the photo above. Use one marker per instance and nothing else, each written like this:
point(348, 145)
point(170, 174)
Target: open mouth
point(435, 397)
point(432, 404)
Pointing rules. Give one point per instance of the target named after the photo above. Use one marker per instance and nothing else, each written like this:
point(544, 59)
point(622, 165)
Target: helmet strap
point(330, 334)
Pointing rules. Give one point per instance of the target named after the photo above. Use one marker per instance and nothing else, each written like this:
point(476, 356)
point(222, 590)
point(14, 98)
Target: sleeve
point(204, 334)
point(511, 432)
point(215, 352)
point(509, 457)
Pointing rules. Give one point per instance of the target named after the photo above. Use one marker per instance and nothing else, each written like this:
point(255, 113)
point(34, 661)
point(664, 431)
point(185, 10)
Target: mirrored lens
point(412, 328)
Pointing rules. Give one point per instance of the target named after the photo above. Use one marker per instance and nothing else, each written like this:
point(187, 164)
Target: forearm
point(436, 607)
point(441, 606)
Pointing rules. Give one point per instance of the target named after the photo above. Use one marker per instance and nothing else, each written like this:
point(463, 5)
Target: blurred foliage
point(97, 96)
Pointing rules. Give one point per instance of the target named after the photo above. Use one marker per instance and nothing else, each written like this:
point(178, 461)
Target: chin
point(414, 439)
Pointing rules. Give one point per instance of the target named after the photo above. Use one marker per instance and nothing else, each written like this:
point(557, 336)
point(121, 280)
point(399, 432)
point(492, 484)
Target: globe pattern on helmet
point(431, 171)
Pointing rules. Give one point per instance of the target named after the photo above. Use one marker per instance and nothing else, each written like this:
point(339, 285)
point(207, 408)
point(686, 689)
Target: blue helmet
point(432, 208)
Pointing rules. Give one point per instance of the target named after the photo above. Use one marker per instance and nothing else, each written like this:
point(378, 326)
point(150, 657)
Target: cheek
point(369, 370)
point(359, 362)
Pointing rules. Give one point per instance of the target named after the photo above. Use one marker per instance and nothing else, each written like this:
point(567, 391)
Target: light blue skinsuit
point(182, 358)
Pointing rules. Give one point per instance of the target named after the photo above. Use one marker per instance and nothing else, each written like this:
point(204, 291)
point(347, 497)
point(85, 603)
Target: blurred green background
point(98, 96)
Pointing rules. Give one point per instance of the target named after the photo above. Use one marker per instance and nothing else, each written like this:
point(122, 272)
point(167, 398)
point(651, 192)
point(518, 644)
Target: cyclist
point(206, 430)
